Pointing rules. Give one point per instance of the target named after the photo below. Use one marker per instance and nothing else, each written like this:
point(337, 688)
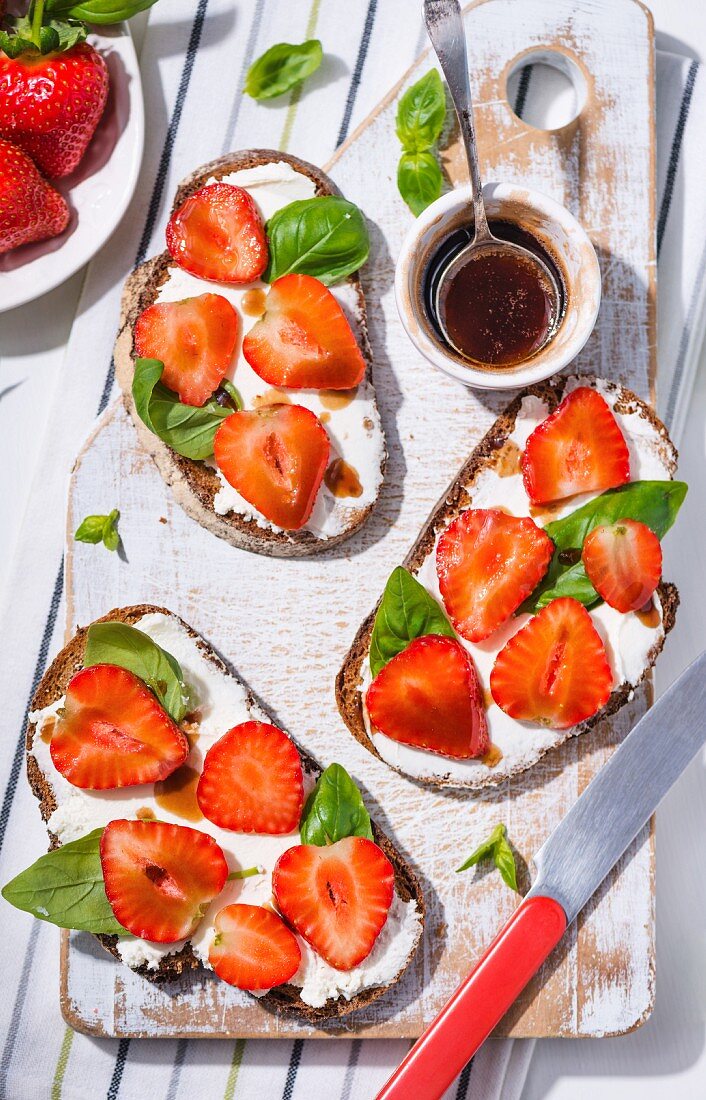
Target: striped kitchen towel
point(193, 62)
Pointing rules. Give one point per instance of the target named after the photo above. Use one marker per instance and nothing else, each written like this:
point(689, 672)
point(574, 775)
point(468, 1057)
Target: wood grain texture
point(286, 625)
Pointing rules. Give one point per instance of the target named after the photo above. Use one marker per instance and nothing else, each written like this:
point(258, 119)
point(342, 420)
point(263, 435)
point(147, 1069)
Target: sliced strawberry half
point(336, 897)
point(194, 338)
point(253, 948)
point(554, 670)
point(579, 448)
point(488, 562)
point(252, 781)
point(275, 457)
point(159, 878)
point(429, 696)
point(112, 732)
point(217, 233)
point(304, 340)
point(623, 561)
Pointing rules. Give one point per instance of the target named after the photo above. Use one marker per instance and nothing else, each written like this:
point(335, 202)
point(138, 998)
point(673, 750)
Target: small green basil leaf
point(91, 529)
point(484, 850)
point(187, 429)
point(654, 503)
point(406, 612)
point(98, 11)
point(119, 644)
point(334, 810)
point(325, 237)
point(419, 180)
point(66, 887)
point(421, 114)
point(281, 67)
point(110, 536)
point(505, 862)
point(497, 848)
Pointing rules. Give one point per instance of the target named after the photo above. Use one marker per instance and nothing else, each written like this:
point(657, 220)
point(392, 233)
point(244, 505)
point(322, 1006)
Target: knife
point(570, 865)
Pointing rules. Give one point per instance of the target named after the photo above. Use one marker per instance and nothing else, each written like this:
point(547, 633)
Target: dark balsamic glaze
point(497, 309)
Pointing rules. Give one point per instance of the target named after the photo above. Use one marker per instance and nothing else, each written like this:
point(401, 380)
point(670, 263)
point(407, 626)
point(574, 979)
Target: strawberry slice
point(488, 562)
point(579, 448)
point(194, 338)
point(623, 561)
point(336, 897)
point(217, 233)
point(253, 948)
point(252, 781)
point(159, 878)
point(275, 457)
point(554, 670)
point(428, 696)
point(304, 340)
point(112, 732)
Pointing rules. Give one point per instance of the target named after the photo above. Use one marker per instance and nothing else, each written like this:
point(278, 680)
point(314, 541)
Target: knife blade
point(571, 865)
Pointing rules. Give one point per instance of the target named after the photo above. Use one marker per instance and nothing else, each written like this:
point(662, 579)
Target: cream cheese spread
point(627, 638)
point(221, 702)
point(350, 418)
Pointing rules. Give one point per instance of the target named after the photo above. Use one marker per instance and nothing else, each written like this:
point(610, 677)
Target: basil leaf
point(421, 114)
point(654, 503)
point(325, 237)
point(66, 887)
point(98, 11)
point(334, 810)
point(187, 429)
point(406, 612)
point(281, 67)
point(419, 180)
point(90, 529)
point(126, 646)
point(110, 536)
point(497, 848)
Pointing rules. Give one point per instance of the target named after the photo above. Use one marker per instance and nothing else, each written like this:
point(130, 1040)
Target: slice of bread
point(53, 687)
point(195, 484)
point(487, 456)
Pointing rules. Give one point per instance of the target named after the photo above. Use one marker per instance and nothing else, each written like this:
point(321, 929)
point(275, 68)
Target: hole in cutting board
point(546, 89)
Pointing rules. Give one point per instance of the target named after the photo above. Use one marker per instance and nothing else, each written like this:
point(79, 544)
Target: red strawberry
point(112, 732)
point(488, 562)
point(252, 781)
point(159, 878)
point(624, 563)
point(253, 948)
point(50, 105)
point(217, 233)
point(579, 448)
point(336, 897)
point(194, 338)
point(304, 340)
point(428, 696)
point(275, 457)
point(554, 670)
point(30, 208)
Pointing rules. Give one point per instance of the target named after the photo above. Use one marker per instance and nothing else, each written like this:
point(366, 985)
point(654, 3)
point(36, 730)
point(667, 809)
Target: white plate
point(100, 189)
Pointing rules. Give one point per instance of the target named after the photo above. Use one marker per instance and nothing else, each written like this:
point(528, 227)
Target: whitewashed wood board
point(286, 625)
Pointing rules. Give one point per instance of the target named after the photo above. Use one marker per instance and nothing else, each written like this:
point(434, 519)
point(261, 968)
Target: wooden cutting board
point(286, 625)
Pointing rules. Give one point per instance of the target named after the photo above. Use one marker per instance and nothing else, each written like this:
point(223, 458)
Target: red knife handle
point(479, 1003)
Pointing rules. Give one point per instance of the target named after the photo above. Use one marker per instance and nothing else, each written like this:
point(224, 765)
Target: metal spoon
point(444, 24)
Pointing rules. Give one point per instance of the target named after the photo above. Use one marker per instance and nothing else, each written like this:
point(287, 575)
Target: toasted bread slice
point(492, 454)
point(196, 484)
point(171, 965)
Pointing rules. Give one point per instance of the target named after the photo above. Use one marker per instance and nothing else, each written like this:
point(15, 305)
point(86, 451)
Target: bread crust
point(457, 497)
point(285, 998)
point(194, 484)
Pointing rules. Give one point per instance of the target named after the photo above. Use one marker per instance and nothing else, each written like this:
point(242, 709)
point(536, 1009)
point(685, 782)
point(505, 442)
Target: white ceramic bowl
point(562, 238)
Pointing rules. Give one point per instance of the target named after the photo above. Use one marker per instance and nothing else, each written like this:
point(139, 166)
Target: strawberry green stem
point(37, 19)
point(247, 873)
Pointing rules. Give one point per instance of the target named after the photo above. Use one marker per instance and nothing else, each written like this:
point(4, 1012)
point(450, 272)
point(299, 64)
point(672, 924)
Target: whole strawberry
point(30, 208)
point(53, 90)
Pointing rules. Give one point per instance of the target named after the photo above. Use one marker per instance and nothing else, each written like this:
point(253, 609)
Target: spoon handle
point(445, 28)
